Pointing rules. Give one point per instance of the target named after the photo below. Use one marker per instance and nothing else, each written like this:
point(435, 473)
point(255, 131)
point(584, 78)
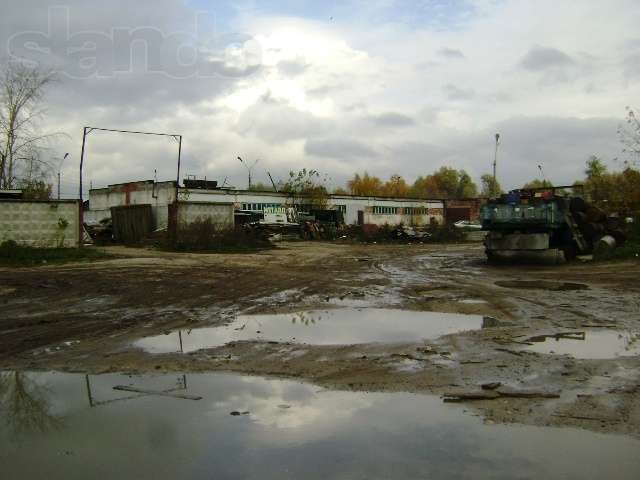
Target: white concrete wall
point(237, 197)
point(40, 224)
point(350, 205)
point(220, 214)
point(133, 193)
point(435, 208)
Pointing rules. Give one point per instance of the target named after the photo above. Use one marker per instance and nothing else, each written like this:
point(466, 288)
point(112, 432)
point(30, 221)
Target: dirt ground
point(84, 318)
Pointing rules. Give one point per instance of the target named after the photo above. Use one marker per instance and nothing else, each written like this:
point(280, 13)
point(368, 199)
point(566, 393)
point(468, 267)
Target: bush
point(205, 236)
point(11, 253)
point(445, 234)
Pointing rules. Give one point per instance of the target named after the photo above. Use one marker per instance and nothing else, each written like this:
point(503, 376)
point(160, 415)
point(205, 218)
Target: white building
point(356, 209)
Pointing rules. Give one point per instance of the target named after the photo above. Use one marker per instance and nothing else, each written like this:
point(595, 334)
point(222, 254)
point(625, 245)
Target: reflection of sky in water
point(597, 344)
point(320, 327)
point(322, 434)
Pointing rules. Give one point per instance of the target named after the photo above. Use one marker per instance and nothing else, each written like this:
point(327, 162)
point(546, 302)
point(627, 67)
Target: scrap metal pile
point(286, 223)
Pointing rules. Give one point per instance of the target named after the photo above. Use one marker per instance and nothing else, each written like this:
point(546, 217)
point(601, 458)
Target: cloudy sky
point(387, 86)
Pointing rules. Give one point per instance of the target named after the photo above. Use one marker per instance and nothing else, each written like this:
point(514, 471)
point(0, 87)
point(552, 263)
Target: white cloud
point(362, 91)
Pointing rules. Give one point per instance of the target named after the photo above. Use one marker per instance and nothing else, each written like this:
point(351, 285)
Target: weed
point(205, 236)
point(13, 254)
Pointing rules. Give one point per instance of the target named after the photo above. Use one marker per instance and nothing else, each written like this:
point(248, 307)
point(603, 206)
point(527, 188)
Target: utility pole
point(495, 157)
point(249, 168)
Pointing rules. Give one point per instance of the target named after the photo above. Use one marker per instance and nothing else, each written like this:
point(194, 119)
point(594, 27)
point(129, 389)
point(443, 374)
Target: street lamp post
point(495, 157)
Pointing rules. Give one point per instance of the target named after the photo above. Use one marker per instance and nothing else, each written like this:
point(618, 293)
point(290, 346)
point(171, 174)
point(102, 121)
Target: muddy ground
point(84, 318)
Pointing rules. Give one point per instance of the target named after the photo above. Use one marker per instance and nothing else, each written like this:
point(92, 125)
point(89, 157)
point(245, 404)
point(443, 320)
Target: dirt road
point(85, 317)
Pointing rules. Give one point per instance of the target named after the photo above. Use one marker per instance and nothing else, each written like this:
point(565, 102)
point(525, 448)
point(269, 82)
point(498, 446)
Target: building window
point(415, 211)
point(259, 207)
point(341, 208)
point(377, 210)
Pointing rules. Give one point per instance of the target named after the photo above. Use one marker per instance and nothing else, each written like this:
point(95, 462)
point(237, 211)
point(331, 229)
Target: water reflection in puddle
point(319, 327)
point(594, 344)
point(291, 430)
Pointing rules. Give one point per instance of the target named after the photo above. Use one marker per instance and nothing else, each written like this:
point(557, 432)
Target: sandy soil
point(84, 317)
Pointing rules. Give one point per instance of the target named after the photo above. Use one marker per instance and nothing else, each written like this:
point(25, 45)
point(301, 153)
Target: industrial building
point(357, 210)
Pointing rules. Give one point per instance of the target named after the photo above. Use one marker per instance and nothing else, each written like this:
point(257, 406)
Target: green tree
point(595, 167)
point(490, 186)
point(307, 187)
point(537, 183)
point(447, 183)
point(467, 188)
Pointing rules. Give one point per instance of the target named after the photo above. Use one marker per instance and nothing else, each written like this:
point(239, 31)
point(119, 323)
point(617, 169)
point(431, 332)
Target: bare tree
point(24, 404)
point(630, 133)
point(22, 88)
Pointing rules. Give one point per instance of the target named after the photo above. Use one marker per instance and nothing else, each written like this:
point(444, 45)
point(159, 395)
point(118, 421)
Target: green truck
point(550, 225)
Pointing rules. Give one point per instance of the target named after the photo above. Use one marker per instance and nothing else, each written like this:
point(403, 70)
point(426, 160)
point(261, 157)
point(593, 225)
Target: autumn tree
point(365, 185)
point(490, 186)
point(395, 187)
point(617, 191)
point(21, 91)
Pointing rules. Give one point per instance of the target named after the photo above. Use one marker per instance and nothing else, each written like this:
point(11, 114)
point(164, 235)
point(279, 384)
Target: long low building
point(356, 209)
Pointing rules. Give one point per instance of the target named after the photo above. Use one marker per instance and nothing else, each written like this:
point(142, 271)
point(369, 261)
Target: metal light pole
point(59, 169)
point(495, 157)
point(249, 168)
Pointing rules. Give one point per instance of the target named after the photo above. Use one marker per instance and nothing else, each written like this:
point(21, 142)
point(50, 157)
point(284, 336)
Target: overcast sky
point(387, 86)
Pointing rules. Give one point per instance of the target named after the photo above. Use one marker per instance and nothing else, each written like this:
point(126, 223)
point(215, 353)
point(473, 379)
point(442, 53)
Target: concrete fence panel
point(51, 224)
point(220, 214)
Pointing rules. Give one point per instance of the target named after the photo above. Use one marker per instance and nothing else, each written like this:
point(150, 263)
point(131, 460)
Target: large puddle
point(593, 344)
point(320, 327)
point(72, 426)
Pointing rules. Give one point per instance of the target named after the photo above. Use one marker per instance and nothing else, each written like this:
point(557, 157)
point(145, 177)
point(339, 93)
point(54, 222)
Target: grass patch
point(13, 254)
